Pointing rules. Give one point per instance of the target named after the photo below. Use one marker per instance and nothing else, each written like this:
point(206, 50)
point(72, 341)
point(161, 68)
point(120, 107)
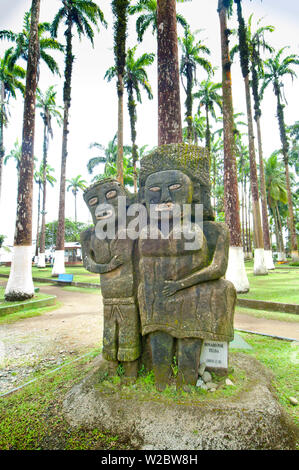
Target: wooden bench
point(65, 278)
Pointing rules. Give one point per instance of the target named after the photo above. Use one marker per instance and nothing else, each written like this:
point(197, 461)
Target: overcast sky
point(94, 101)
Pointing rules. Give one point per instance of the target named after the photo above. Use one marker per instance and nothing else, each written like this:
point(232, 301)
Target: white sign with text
point(215, 354)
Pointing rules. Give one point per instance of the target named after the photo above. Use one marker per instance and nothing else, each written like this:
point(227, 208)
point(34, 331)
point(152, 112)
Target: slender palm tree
point(209, 98)
point(75, 184)
point(120, 12)
point(236, 267)
point(276, 192)
point(79, 14)
point(107, 155)
point(276, 69)
point(39, 178)
point(256, 43)
point(135, 77)
point(111, 172)
point(10, 82)
point(147, 10)
point(21, 42)
point(193, 52)
point(244, 53)
point(15, 154)
point(20, 284)
point(169, 104)
point(49, 109)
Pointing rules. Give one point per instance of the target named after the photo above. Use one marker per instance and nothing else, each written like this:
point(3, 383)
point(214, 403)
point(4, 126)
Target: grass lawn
point(280, 285)
point(32, 417)
point(79, 272)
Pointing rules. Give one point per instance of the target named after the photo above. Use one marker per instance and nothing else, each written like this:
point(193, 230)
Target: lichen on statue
point(182, 298)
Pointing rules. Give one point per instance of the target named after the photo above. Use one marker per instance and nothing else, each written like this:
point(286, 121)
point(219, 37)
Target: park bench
point(65, 278)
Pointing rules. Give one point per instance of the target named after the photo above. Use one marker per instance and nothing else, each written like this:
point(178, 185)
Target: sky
point(93, 116)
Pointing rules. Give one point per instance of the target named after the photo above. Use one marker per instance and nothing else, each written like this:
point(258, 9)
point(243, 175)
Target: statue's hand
point(170, 288)
point(115, 262)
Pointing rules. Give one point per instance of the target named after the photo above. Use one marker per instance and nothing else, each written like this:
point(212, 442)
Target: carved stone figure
point(182, 298)
point(113, 260)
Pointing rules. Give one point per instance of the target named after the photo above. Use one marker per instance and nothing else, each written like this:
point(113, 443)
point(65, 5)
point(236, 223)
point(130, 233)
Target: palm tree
point(39, 177)
point(276, 192)
point(169, 104)
point(192, 56)
point(9, 84)
point(20, 284)
point(276, 69)
point(75, 184)
point(47, 103)
point(256, 41)
point(120, 12)
point(148, 16)
point(79, 14)
point(108, 154)
point(259, 260)
point(208, 98)
point(236, 267)
point(16, 155)
point(21, 41)
point(111, 172)
point(135, 76)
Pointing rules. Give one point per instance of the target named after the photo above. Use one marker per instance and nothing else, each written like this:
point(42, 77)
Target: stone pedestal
point(248, 419)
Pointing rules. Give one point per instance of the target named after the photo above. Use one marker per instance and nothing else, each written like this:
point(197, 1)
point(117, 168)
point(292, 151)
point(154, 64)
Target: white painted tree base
point(236, 272)
point(20, 283)
point(269, 259)
point(58, 266)
point(259, 266)
point(41, 260)
point(295, 256)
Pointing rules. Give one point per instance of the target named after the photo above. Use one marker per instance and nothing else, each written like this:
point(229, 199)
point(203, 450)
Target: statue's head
point(165, 189)
point(176, 174)
point(102, 199)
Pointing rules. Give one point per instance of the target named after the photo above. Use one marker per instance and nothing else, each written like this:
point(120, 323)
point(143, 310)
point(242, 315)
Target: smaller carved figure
point(113, 260)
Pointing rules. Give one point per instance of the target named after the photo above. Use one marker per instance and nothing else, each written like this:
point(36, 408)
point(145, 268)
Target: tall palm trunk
point(236, 267)
point(285, 149)
point(41, 258)
point(2, 151)
point(58, 267)
point(75, 195)
point(189, 106)
point(169, 105)
point(208, 136)
point(259, 262)
point(20, 284)
point(120, 131)
point(38, 220)
point(133, 119)
point(257, 117)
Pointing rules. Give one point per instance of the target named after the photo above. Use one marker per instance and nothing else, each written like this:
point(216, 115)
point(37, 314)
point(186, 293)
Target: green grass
point(277, 286)
point(32, 418)
point(288, 317)
point(33, 312)
point(282, 358)
point(79, 272)
point(4, 302)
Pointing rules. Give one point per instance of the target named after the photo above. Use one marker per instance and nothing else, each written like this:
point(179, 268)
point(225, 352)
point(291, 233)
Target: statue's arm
point(215, 270)
point(89, 263)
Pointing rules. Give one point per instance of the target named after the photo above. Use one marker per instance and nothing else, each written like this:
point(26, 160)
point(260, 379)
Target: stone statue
point(113, 260)
point(175, 269)
point(182, 298)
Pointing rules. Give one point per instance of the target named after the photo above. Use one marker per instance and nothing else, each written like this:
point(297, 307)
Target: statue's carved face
point(165, 189)
point(100, 199)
